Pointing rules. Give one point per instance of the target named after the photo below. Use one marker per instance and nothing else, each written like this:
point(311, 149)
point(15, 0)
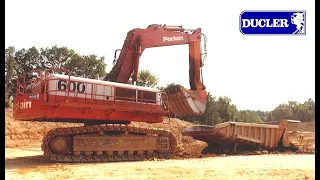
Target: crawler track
point(105, 156)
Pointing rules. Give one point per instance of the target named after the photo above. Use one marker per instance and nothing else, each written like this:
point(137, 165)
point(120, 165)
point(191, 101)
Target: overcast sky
point(256, 72)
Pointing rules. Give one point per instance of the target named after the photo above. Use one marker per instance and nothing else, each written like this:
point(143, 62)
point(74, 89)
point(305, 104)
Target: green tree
point(86, 66)
point(224, 103)
point(26, 60)
point(9, 74)
point(248, 117)
point(270, 117)
point(210, 115)
point(294, 108)
point(283, 111)
point(218, 110)
point(304, 112)
point(58, 57)
point(311, 106)
point(233, 112)
point(147, 79)
point(264, 115)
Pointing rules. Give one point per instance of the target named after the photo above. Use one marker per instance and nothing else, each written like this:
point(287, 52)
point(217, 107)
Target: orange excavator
point(181, 101)
point(107, 107)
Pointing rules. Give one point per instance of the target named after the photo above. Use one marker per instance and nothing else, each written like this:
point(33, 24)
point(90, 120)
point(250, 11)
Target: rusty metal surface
point(59, 144)
point(229, 133)
point(119, 143)
point(183, 102)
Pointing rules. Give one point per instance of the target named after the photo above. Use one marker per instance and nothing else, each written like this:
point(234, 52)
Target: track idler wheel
point(59, 145)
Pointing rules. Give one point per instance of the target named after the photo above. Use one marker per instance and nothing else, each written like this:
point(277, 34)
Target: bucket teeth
point(183, 102)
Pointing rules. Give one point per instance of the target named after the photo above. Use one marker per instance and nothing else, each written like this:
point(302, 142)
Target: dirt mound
point(23, 130)
point(304, 126)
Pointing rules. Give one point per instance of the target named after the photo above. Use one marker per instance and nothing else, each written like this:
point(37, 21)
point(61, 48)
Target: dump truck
point(231, 136)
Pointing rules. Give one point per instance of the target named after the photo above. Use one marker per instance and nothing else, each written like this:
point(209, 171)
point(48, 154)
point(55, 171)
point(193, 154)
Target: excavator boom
point(181, 102)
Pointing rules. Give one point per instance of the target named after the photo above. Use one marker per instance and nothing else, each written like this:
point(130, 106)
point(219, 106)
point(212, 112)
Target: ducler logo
point(273, 22)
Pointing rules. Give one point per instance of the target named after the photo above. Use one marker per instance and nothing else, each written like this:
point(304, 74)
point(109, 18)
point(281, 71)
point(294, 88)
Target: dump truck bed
point(230, 133)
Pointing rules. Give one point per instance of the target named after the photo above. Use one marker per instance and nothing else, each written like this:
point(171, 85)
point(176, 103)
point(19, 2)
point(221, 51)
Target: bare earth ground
point(24, 160)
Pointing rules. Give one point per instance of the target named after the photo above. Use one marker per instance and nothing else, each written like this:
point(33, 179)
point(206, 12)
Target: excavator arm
point(137, 40)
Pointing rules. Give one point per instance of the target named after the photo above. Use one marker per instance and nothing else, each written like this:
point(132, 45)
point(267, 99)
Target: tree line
point(218, 110)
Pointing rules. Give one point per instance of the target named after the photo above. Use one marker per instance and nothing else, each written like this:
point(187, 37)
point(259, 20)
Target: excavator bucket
point(183, 102)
